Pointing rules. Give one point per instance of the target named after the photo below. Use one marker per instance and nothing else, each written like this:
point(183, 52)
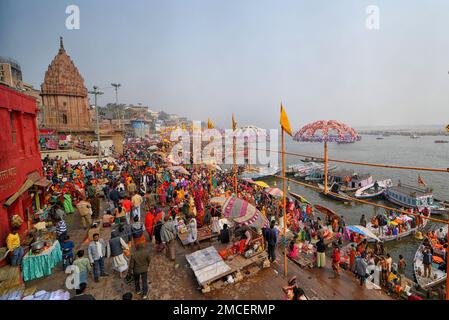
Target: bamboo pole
point(447, 264)
point(284, 211)
point(235, 165)
point(325, 167)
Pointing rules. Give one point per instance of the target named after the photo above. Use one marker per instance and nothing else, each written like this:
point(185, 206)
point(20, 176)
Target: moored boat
point(350, 181)
point(259, 172)
point(437, 276)
point(373, 190)
point(326, 211)
point(299, 197)
point(414, 198)
point(336, 193)
point(391, 230)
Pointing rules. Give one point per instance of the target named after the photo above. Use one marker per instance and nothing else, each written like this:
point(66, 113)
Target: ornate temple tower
point(64, 96)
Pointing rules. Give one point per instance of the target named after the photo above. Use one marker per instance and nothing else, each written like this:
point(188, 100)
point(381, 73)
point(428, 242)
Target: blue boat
point(415, 198)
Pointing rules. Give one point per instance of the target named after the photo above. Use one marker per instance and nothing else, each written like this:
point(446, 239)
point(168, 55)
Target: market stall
point(43, 255)
point(245, 249)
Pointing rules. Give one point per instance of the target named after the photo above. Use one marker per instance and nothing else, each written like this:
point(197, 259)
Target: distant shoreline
point(402, 133)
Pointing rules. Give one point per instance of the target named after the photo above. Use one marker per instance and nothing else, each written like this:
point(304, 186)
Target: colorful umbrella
point(244, 213)
point(261, 184)
point(275, 192)
point(327, 131)
point(364, 231)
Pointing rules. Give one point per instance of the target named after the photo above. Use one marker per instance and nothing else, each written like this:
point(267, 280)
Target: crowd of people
point(145, 202)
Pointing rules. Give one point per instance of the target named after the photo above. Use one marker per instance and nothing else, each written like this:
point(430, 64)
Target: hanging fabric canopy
point(364, 231)
point(244, 213)
point(275, 192)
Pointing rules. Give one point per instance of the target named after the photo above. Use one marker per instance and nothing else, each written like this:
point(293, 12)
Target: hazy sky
point(211, 58)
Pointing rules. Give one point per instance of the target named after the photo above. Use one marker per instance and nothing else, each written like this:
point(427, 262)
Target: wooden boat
point(349, 180)
point(326, 211)
point(259, 172)
point(437, 276)
point(302, 167)
point(370, 191)
point(381, 234)
point(299, 197)
point(338, 195)
point(379, 138)
point(415, 198)
point(313, 159)
point(316, 171)
point(441, 141)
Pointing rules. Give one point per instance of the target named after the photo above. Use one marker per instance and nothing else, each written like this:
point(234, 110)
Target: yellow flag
point(210, 125)
point(285, 124)
point(183, 127)
point(234, 124)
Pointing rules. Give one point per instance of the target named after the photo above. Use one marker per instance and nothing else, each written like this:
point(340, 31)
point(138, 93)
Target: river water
point(394, 150)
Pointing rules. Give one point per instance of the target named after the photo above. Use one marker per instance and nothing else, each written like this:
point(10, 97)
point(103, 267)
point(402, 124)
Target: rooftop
point(407, 190)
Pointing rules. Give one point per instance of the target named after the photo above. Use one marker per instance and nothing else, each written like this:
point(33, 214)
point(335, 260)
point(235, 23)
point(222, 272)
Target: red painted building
point(20, 159)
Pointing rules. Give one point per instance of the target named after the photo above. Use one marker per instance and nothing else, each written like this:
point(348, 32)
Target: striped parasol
point(244, 213)
point(275, 192)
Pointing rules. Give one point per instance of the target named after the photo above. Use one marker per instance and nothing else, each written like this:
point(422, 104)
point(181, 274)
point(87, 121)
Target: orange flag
point(210, 125)
point(285, 123)
point(234, 124)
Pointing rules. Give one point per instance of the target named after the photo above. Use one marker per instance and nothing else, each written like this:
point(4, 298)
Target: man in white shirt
point(97, 253)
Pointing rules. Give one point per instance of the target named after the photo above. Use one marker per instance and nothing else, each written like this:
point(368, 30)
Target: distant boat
point(259, 172)
point(370, 191)
point(379, 138)
point(441, 141)
point(345, 142)
point(414, 136)
point(312, 159)
point(415, 198)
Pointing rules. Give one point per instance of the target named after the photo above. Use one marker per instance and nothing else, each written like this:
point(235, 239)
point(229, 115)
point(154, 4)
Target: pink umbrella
point(326, 131)
point(244, 213)
point(275, 192)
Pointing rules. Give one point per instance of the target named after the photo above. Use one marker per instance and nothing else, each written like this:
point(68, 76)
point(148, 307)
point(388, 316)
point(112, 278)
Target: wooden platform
point(213, 271)
point(303, 261)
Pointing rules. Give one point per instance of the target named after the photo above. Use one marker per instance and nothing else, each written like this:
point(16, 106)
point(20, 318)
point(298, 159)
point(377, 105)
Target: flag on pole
point(234, 124)
point(285, 123)
point(421, 181)
point(210, 125)
point(183, 127)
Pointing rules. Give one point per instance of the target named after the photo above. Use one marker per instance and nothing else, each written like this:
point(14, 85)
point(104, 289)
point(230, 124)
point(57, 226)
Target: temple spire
point(61, 43)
